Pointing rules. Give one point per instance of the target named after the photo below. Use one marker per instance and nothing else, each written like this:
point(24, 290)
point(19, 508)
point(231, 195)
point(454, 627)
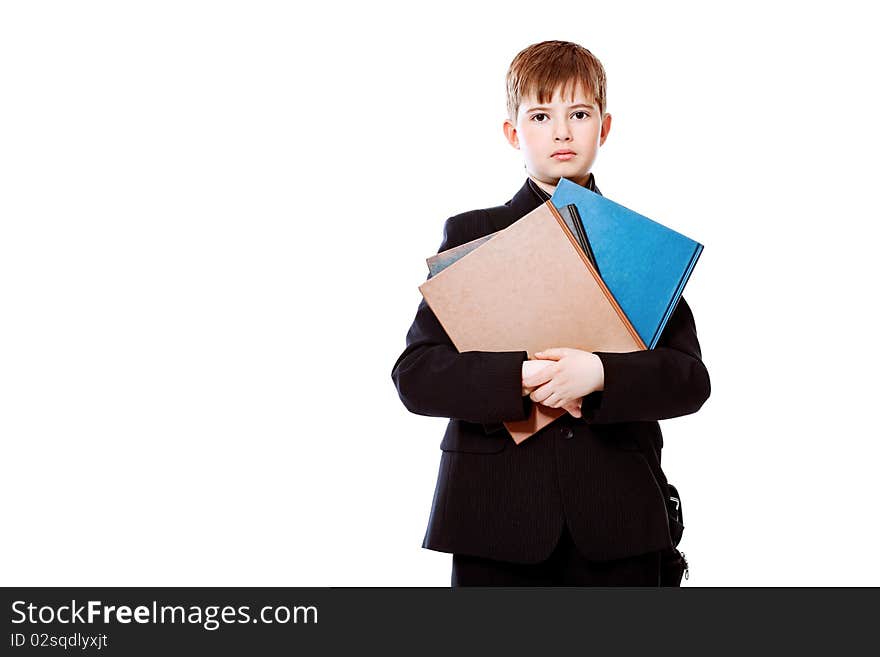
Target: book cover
point(645, 264)
point(440, 261)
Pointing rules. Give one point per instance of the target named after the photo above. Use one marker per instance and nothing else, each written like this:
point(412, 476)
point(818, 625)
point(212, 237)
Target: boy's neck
point(547, 188)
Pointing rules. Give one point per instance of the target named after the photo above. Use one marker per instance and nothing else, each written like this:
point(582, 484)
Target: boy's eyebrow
point(541, 107)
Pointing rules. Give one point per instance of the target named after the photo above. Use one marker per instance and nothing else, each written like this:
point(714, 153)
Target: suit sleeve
point(433, 378)
point(643, 386)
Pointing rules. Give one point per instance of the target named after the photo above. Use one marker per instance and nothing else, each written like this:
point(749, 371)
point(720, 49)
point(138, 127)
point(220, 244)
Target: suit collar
point(523, 202)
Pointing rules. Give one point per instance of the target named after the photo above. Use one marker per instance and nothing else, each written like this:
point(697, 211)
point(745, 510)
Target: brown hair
point(543, 67)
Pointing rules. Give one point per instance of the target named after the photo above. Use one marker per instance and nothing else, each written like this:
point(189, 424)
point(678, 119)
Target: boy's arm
point(433, 378)
point(643, 386)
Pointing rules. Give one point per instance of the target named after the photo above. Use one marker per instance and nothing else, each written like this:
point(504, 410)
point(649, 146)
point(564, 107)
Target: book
point(645, 264)
point(440, 261)
point(529, 288)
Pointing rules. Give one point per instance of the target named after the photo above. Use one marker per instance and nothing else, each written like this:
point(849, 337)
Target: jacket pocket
point(467, 437)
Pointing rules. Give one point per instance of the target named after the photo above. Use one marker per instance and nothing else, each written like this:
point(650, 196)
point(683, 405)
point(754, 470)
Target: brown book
point(569, 213)
point(529, 288)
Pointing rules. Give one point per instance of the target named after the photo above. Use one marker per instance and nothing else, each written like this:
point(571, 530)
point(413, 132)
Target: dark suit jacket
point(599, 474)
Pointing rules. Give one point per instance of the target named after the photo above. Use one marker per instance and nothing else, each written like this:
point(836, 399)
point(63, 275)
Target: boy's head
point(556, 102)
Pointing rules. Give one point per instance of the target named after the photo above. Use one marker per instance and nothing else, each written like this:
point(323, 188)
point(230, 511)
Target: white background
point(215, 217)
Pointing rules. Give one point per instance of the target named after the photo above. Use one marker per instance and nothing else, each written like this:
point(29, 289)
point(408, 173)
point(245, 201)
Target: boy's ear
point(606, 128)
point(510, 133)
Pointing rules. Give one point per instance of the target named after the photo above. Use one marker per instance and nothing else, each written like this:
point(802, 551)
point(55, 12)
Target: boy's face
point(571, 124)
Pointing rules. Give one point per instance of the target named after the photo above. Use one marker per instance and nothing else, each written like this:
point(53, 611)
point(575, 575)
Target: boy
point(582, 502)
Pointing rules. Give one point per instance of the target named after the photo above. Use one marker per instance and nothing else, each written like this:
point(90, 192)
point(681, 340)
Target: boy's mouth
point(563, 155)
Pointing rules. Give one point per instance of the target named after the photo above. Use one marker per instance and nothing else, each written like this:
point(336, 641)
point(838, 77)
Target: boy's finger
point(549, 354)
point(538, 378)
point(540, 394)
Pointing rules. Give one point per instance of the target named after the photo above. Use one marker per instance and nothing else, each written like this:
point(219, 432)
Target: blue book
point(644, 264)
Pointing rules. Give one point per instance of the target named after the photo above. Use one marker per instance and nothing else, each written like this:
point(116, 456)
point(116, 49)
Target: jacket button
point(568, 434)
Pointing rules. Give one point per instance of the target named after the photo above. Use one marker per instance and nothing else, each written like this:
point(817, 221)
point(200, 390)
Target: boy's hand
point(570, 375)
point(574, 407)
point(531, 368)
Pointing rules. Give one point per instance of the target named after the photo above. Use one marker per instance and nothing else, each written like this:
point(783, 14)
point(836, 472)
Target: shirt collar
point(544, 196)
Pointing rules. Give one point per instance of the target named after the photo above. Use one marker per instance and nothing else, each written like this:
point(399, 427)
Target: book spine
point(673, 302)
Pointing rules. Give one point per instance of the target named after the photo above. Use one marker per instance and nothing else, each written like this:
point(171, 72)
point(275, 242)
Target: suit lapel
point(523, 202)
point(526, 200)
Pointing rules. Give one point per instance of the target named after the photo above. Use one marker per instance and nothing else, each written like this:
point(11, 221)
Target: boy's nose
point(562, 133)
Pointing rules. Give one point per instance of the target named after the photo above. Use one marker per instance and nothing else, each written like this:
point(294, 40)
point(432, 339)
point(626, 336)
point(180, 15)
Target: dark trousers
point(564, 567)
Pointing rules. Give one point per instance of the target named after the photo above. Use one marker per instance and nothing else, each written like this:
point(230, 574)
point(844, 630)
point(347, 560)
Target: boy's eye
point(583, 114)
